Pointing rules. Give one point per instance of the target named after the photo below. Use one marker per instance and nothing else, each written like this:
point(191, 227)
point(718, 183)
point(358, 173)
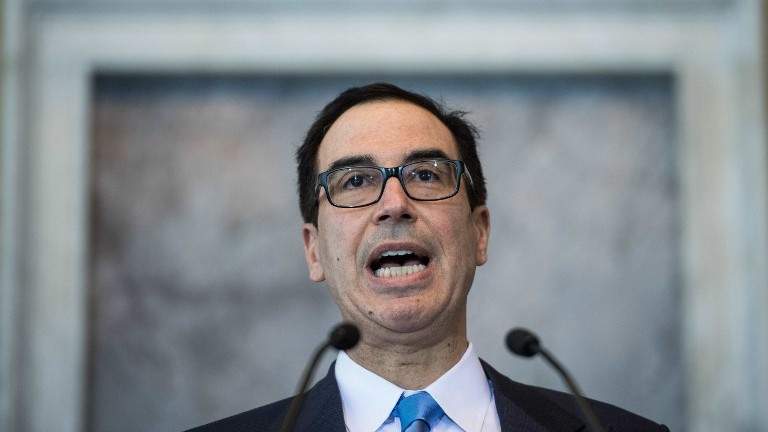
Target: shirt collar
point(467, 407)
point(367, 399)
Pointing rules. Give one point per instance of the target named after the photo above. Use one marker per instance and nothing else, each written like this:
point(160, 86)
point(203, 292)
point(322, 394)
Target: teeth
point(399, 271)
point(397, 252)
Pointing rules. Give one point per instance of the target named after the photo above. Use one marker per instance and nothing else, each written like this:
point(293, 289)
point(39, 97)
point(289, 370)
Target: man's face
point(444, 237)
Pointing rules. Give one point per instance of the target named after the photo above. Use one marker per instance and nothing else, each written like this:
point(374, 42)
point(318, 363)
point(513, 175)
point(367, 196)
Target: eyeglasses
point(359, 186)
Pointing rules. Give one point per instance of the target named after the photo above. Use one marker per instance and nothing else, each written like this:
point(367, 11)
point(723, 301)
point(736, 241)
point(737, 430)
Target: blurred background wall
point(202, 306)
point(152, 270)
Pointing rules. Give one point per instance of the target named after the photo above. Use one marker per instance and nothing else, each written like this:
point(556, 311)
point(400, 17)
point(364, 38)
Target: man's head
point(397, 266)
point(463, 132)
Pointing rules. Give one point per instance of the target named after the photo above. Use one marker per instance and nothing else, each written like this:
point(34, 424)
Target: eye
point(426, 175)
point(354, 181)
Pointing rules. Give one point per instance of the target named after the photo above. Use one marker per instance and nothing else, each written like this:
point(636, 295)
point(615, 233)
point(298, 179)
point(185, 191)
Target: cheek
point(330, 251)
point(458, 241)
point(338, 247)
point(457, 227)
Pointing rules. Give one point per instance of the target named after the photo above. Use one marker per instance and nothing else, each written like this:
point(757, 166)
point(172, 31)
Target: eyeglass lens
point(425, 180)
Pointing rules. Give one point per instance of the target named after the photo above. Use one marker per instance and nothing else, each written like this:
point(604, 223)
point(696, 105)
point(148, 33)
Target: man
point(393, 198)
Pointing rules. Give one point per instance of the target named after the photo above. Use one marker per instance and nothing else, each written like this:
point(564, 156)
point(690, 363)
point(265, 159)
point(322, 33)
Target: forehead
point(388, 131)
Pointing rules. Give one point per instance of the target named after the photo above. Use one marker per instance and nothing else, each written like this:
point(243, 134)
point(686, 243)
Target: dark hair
point(464, 133)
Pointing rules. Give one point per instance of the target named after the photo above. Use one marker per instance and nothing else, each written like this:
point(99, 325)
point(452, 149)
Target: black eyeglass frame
point(397, 172)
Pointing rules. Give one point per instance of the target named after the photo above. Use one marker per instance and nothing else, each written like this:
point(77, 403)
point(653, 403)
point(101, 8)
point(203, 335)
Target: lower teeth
point(399, 271)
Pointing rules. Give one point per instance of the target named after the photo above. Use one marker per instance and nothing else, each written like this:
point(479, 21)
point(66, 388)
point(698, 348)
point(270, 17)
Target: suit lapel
point(522, 408)
point(322, 410)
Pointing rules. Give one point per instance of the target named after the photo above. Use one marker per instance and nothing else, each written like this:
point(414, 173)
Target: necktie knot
point(418, 412)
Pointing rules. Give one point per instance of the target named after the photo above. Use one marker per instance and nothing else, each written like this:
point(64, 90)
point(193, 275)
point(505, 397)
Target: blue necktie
point(418, 412)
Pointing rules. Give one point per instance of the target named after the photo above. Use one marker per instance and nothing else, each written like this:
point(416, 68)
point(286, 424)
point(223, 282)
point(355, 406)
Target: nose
point(394, 205)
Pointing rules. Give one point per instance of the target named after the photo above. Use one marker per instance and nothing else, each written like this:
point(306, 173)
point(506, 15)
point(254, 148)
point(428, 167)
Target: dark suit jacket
point(521, 408)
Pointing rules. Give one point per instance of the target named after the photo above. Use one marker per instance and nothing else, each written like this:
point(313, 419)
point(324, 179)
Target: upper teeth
point(397, 252)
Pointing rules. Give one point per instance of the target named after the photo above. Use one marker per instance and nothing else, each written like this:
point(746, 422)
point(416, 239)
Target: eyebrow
point(426, 154)
point(356, 160)
point(369, 160)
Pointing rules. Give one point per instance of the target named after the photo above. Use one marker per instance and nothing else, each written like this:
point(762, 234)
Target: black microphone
point(525, 344)
point(344, 336)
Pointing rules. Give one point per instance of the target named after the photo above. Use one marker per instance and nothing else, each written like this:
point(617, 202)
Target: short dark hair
point(464, 133)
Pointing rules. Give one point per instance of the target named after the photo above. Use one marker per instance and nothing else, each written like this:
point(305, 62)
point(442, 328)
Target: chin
point(407, 318)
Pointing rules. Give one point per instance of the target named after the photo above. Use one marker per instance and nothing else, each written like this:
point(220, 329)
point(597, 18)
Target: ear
point(309, 234)
point(481, 219)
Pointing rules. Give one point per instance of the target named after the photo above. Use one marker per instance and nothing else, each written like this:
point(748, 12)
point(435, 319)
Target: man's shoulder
point(320, 411)
point(266, 417)
point(545, 404)
point(612, 417)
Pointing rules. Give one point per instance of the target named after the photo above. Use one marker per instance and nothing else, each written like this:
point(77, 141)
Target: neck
point(408, 366)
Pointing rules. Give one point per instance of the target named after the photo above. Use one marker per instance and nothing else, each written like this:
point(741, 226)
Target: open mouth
point(398, 263)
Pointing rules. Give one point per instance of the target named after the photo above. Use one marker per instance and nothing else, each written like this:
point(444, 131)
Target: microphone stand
point(525, 344)
point(344, 336)
point(592, 421)
point(306, 377)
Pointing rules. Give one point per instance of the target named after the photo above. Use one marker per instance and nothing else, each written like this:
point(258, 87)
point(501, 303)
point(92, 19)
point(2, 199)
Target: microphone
point(525, 344)
point(344, 336)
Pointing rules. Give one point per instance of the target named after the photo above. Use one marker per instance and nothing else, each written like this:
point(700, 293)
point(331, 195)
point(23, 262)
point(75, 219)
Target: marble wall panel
point(200, 302)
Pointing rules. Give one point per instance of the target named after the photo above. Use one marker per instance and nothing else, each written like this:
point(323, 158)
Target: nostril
point(394, 217)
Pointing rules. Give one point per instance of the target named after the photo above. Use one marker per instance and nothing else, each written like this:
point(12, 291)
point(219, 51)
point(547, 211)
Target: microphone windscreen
point(344, 336)
point(522, 342)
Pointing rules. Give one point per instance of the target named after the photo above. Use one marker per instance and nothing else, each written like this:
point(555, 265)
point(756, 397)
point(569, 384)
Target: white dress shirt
point(463, 392)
